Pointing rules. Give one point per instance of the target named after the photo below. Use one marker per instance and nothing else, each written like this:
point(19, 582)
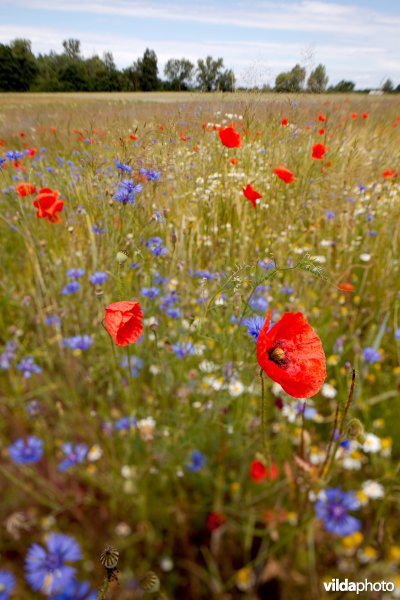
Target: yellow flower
point(394, 553)
point(353, 541)
point(333, 359)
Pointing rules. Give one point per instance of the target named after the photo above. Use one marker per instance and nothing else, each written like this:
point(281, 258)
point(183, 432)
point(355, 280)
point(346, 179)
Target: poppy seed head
point(277, 355)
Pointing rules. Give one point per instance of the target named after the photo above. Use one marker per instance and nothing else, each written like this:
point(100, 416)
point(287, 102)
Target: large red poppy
point(318, 151)
point(291, 354)
point(284, 174)
point(48, 204)
point(123, 322)
point(230, 137)
point(251, 194)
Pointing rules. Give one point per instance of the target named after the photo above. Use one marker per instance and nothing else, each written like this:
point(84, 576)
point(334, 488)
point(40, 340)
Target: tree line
point(69, 71)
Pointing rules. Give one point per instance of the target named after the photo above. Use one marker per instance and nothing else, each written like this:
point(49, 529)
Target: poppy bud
point(355, 429)
point(121, 257)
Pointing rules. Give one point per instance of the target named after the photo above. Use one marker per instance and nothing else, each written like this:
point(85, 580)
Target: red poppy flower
point(251, 194)
point(321, 131)
point(321, 118)
point(25, 189)
point(389, 174)
point(230, 137)
point(123, 322)
point(365, 116)
point(318, 151)
point(284, 174)
point(258, 471)
point(354, 116)
point(291, 354)
point(285, 122)
point(48, 205)
point(234, 161)
point(215, 520)
point(346, 287)
point(184, 137)
point(133, 137)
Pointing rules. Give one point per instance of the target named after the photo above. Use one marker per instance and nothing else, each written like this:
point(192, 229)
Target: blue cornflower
point(149, 174)
point(169, 300)
point(158, 217)
point(198, 461)
point(76, 590)
point(158, 279)
point(287, 290)
point(46, 569)
point(173, 312)
point(330, 215)
point(266, 264)
point(258, 303)
point(74, 455)
point(123, 167)
point(135, 363)
point(2, 161)
point(125, 423)
point(7, 584)
point(77, 342)
point(53, 320)
point(371, 355)
point(254, 326)
point(26, 452)
point(98, 230)
point(7, 356)
point(98, 278)
point(151, 292)
point(14, 155)
point(183, 349)
point(204, 275)
point(126, 192)
point(397, 333)
point(70, 288)
point(156, 247)
point(334, 509)
point(27, 366)
point(75, 273)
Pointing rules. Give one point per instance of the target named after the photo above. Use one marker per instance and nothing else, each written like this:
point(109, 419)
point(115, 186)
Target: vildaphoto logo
point(336, 585)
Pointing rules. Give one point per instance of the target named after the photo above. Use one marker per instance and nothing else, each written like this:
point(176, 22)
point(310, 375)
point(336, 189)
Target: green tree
point(343, 87)
point(145, 70)
point(226, 81)
point(209, 72)
point(291, 81)
point(318, 80)
point(72, 48)
point(388, 86)
point(179, 73)
point(18, 66)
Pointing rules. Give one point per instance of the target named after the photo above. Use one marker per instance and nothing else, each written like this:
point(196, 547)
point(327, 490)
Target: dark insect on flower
point(150, 583)
point(109, 557)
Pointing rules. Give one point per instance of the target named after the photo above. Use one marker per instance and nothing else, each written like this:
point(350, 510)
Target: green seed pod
point(150, 583)
point(355, 429)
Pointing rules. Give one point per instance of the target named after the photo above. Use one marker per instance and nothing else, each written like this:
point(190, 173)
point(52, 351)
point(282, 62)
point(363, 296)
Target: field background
point(141, 493)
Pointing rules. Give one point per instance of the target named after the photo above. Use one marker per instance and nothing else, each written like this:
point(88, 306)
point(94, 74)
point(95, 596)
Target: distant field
point(161, 447)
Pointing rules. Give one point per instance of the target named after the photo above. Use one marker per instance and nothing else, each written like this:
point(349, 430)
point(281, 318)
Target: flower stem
point(104, 589)
point(264, 423)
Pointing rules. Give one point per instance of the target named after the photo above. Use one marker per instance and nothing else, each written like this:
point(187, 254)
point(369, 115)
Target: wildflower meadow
point(199, 346)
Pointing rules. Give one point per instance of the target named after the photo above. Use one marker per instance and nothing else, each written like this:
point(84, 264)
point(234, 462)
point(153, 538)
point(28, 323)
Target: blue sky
point(357, 40)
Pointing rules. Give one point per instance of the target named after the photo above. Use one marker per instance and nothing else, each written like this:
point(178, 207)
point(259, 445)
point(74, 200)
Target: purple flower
point(150, 292)
point(26, 452)
point(126, 192)
point(98, 278)
point(46, 569)
point(330, 215)
point(74, 455)
point(7, 356)
point(254, 326)
point(150, 175)
point(76, 590)
point(53, 320)
point(125, 423)
point(14, 155)
point(183, 349)
point(198, 461)
point(135, 363)
point(75, 273)
point(258, 303)
point(77, 342)
point(371, 355)
point(27, 366)
point(334, 509)
point(122, 167)
point(7, 584)
point(156, 247)
point(70, 288)
point(98, 230)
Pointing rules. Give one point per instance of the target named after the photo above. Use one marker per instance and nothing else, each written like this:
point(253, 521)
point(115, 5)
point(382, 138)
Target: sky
point(357, 40)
